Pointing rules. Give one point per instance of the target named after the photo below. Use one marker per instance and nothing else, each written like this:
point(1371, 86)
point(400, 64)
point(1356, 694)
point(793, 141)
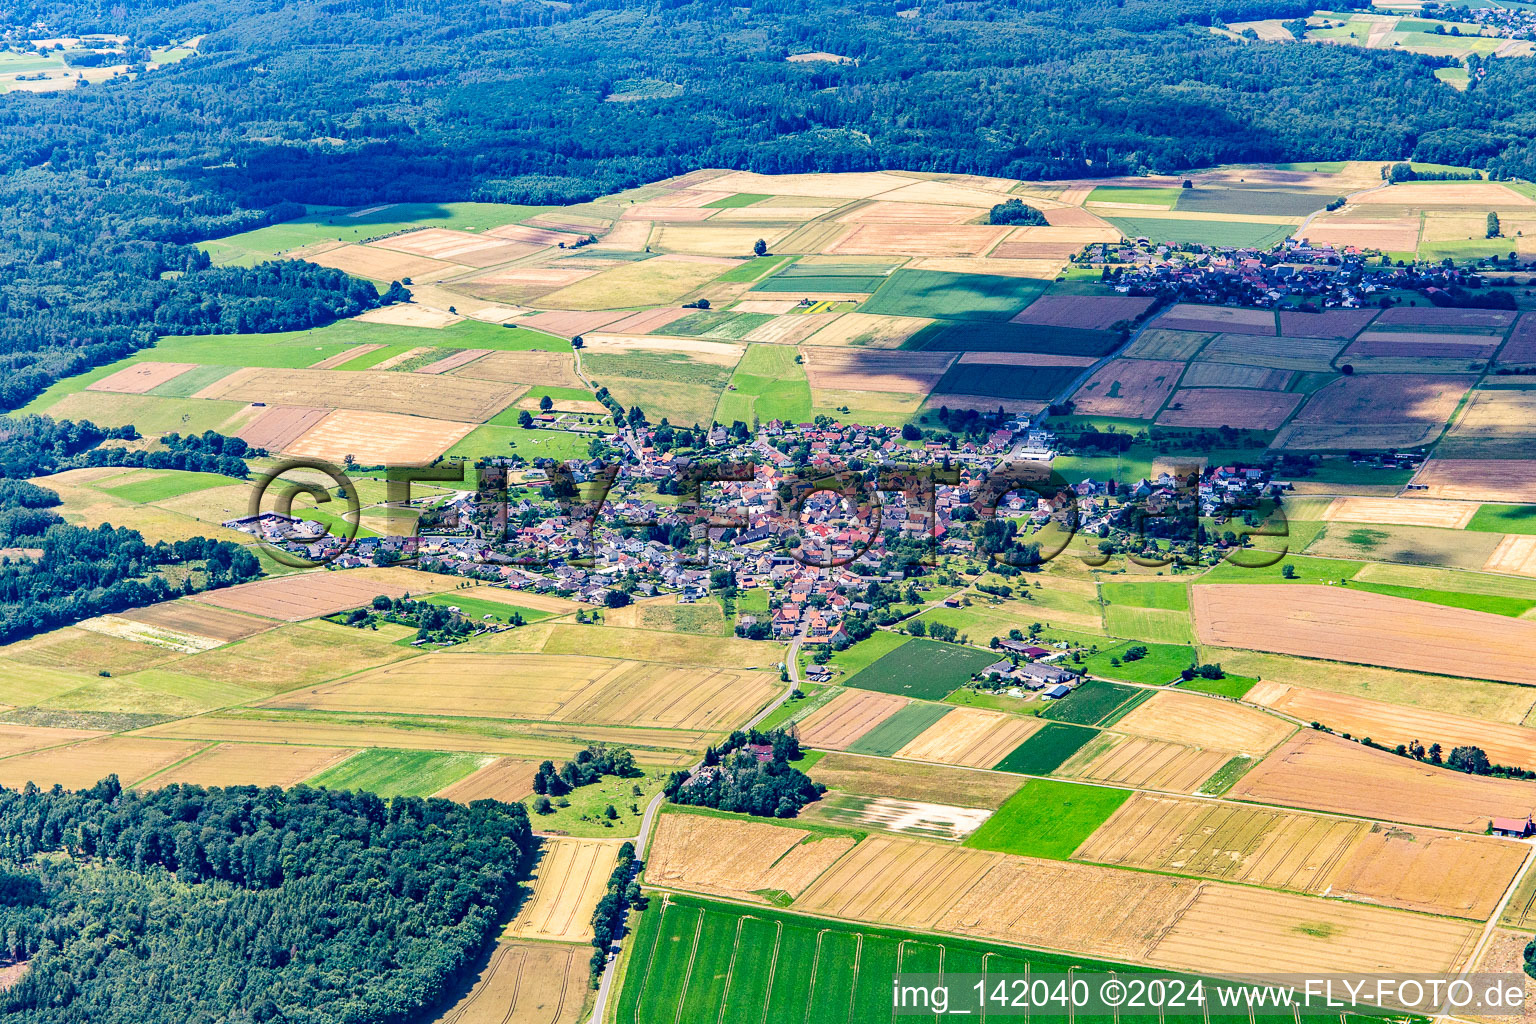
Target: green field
point(1236, 687)
point(151, 485)
point(399, 772)
point(1203, 232)
point(478, 608)
point(1504, 519)
point(1158, 196)
point(867, 651)
point(738, 200)
point(1160, 665)
point(1491, 603)
point(952, 296)
point(693, 960)
point(1047, 749)
point(769, 384)
point(1094, 701)
point(900, 729)
point(185, 385)
point(324, 224)
point(922, 668)
point(495, 439)
point(1173, 596)
point(1047, 818)
point(752, 269)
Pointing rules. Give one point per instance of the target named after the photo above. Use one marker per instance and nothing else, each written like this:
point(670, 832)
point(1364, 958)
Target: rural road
point(792, 664)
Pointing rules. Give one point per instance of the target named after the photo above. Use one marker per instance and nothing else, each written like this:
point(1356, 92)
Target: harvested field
point(368, 390)
point(1228, 930)
point(529, 233)
point(252, 764)
point(648, 320)
point(934, 887)
point(1448, 515)
point(906, 780)
point(155, 636)
point(1506, 480)
point(1338, 624)
point(730, 240)
point(1399, 234)
point(1235, 375)
point(1486, 194)
point(1179, 345)
point(506, 779)
point(1145, 764)
point(881, 212)
point(190, 617)
point(868, 330)
point(1520, 350)
point(848, 716)
point(555, 688)
point(1327, 773)
point(18, 739)
point(791, 329)
point(907, 817)
point(1094, 312)
point(1252, 845)
point(873, 370)
point(526, 983)
point(737, 859)
point(1185, 718)
point(1131, 388)
point(664, 278)
point(312, 594)
point(1432, 872)
point(1228, 407)
point(139, 378)
point(1362, 412)
point(539, 369)
point(1494, 415)
point(1497, 320)
point(1515, 555)
point(378, 264)
point(1188, 316)
point(378, 438)
point(971, 737)
point(569, 877)
point(480, 250)
point(454, 361)
point(1309, 354)
point(404, 314)
point(1391, 724)
point(523, 282)
point(1505, 954)
point(1340, 324)
point(906, 239)
point(82, 765)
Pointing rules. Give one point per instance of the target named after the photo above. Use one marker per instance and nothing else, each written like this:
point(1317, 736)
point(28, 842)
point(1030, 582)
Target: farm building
point(1519, 828)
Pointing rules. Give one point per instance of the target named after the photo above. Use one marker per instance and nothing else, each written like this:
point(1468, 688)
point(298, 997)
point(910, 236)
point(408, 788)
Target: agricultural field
point(1047, 818)
point(921, 668)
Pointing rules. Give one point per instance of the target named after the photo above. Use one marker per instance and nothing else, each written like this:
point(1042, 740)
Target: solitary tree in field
point(759, 248)
point(546, 403)
point(1493, 225)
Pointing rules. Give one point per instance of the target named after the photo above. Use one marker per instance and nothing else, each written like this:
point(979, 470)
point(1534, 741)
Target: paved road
point(792, 663)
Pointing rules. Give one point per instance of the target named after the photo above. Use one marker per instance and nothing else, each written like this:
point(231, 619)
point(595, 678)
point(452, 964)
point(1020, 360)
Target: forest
point(363, 101)
point(188, 905)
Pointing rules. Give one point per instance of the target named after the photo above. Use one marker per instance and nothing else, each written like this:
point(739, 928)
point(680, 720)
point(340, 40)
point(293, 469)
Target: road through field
point(792, 665)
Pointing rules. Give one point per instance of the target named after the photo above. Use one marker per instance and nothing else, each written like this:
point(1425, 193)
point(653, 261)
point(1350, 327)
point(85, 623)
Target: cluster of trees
point(1014, 211)
point(247, 904)
point(433, 622)
point(590, 765)
point(608, 918)
point(735, 778)
point(42, 445)
point(999, 538)
point(79, 573)
point(208, 452)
